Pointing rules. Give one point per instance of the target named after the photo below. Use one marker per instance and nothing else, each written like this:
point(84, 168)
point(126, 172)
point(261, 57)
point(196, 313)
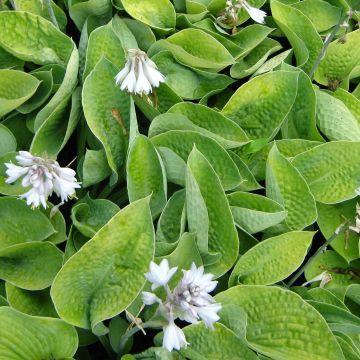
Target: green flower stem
point(133, 331)
point(319, 251)
point(106, 344)
point(50, 10)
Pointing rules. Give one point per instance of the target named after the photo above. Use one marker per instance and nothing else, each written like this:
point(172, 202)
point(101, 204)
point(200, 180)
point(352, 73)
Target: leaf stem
point(320, 250)
point(51, 12)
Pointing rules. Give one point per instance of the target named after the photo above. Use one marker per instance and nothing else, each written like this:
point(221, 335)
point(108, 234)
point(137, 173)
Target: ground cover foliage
point(245, 160)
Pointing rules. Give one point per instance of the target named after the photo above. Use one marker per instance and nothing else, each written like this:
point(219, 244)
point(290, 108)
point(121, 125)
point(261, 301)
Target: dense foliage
point(200, 139)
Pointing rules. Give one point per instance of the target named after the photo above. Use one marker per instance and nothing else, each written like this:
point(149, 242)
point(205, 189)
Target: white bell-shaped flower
point(140, 74)
point(256, 14)
point(43, 176)
point(174, 337)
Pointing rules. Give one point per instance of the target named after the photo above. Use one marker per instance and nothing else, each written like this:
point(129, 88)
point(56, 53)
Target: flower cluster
point(140, 74)
point(43, 176)
point(189, 301)
point(231, 12)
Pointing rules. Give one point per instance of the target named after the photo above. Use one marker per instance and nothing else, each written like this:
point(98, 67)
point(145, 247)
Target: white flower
point(256, 14)
point(208, 314)
point(160, 275)
point(140, 74)
point(150, 298)
point(232, 8)
point(174, 337)
point(43, 176)
point(324, 278)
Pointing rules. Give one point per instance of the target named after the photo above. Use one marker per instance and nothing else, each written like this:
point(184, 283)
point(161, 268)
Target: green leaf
point(36, 303)
point(108, 125)
point(212, 124)
point(79, 11)
point(159, 14)
point(220, 343)
point(95, 167)
point(112, 266)
point(30, 266)
point(300, 32)
point(339, 61)
point(182, 142)
point(330, 218)
point(330, 170)
point(54, 133)
point(15, 88)
point(54, 109)
point(282, 325)
point(322, 14)
point(272, 260)
point(334, 119)
point(103, 42)
point(143, 34)
point(7, 142)
point(20, 224)
point(42, 338)
point(171, 223)
point(188, 82)
point(251, 62)
point(261, 105)
point(285, 185)
point(255, 213)
point(350, 101)
point(36, 39)
point(145, 174)
point(287, 147)
point(89, 215)
point(301, 120)
point(206, 203)
point(37, 7)
point(195, 48)
point(41, 95)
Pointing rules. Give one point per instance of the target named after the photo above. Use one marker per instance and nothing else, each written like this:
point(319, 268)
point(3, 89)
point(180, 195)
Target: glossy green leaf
point(220, 343)
point(20, 224)
point(206, 200)
point(145, 174)
point(281, 325)
point(272, 260)
point(286, 185)
point(300, 32)
point(182, 142)
point(330, 170)
point(15, 88)
point(36, 39)
point(159, 14)
point(112, 266)
point(107, 115)
point(41, 337)
point(255, 213)
point(261, 105)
